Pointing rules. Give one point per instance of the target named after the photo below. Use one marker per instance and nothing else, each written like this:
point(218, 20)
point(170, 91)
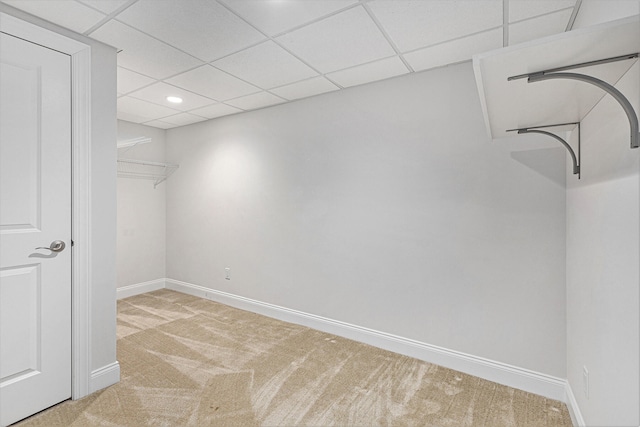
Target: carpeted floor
point(189, 361)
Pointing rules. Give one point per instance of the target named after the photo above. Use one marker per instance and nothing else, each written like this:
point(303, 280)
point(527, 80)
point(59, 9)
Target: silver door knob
point(56, 246)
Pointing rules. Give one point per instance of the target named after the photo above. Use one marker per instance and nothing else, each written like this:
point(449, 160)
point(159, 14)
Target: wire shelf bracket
point(558, 73)
point(142, 169)
point(537, 129)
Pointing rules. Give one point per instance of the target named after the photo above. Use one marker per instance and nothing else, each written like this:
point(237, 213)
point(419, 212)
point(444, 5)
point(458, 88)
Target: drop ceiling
point(227, 56)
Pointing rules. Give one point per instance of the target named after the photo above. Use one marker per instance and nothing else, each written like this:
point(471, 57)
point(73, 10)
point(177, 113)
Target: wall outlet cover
point(585, 381)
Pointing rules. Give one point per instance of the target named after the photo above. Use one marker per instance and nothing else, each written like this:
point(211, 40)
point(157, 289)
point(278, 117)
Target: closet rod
point(580, 65)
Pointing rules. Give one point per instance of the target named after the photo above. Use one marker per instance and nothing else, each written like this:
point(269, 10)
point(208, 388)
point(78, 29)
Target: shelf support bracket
point(615, 93)
point(537, 129)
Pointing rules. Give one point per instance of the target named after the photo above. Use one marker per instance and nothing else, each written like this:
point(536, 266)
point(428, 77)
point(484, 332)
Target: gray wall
point(383, 206)
point(603, 264)
point(141, 211)
point(603, 252)
point(103, 205)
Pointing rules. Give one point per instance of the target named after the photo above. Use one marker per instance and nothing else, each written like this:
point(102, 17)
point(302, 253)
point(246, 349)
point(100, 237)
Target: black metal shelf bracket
point(556, 73)
point(537, 129)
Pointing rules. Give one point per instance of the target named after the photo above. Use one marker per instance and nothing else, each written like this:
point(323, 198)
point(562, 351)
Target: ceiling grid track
point(109, 17)
point(452, 40)
point(284, 32)
point(273, 39)
point(505, 23)
point(202, 62)
point(574, 15)
point(387, 37)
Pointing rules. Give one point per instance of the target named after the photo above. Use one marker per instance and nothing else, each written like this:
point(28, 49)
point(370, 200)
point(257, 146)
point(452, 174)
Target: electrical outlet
point(585, 381)
point(227, 273)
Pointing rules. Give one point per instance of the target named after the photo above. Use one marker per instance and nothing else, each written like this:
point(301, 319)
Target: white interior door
point(35, 210)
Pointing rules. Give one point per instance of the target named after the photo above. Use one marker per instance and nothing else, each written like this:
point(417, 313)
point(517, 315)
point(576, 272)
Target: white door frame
point(81, 183)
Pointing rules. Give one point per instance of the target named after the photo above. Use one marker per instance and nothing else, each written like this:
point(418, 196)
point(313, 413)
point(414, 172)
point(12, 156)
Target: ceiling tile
point(524, 9)
point(303, 89)
point(67, 13)
point(340, 41)
point(183, 119)
point(366, 73)
point(535, 28)
point(454, 51)
point(257, 100)
point(593, 12)
point(157, 93)
point(416, 23)
point(202, 28)
point(142, 53)
point(276, 16)
point(134, 118)
point(215, 110)
point(213, 83)
point(266, 65)
point(129, 80)
point(143, 109)
point(160, 124)
point(105, 6)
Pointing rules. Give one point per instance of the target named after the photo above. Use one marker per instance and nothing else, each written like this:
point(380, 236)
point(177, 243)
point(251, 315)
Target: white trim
point(27, 27)
point(140, 288)
point(502, 373)
point(477, 72)
point(105, 376)
point(133, 142)
point(81, 231)
point(16, 23)
point(572, 406)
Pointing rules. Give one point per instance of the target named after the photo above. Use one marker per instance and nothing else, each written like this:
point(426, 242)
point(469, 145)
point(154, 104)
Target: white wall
point(141, 211)
point(603, 264)
point(103, 205)
point(382, 206)
point(603, 252)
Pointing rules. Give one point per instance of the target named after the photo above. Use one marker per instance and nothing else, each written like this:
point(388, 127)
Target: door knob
point(56, 246)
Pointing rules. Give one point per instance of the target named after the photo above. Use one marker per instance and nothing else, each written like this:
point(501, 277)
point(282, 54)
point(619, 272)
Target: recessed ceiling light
point(174, 99)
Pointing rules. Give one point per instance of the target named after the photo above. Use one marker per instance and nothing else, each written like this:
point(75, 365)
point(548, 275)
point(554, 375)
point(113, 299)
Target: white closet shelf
point(518, 104)
point(142, 169)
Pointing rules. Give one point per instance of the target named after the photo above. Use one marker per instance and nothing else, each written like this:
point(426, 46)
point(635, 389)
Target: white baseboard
point(502, 373)
point(140, 288)
point(572, 405)
point(104, 377)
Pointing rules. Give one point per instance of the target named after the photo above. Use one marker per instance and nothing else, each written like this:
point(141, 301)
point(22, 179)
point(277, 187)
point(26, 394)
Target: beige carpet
point(189, 361)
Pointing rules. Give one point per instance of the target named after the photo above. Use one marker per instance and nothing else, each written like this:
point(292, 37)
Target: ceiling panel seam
point(109, 17)
point(387, 36)
point(172, 85)
point(542, 15)
point(213, 103)
point(296, 22)
point(453, 40)
point(505, 23)
point(298, 81)
point(241, 79)
point(318, 72)
point(351, 67)
point(297, 27)
point(202, 61)
point(574, 15)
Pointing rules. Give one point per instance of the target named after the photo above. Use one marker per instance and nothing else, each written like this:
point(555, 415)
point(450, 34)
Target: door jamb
point(80, 54)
